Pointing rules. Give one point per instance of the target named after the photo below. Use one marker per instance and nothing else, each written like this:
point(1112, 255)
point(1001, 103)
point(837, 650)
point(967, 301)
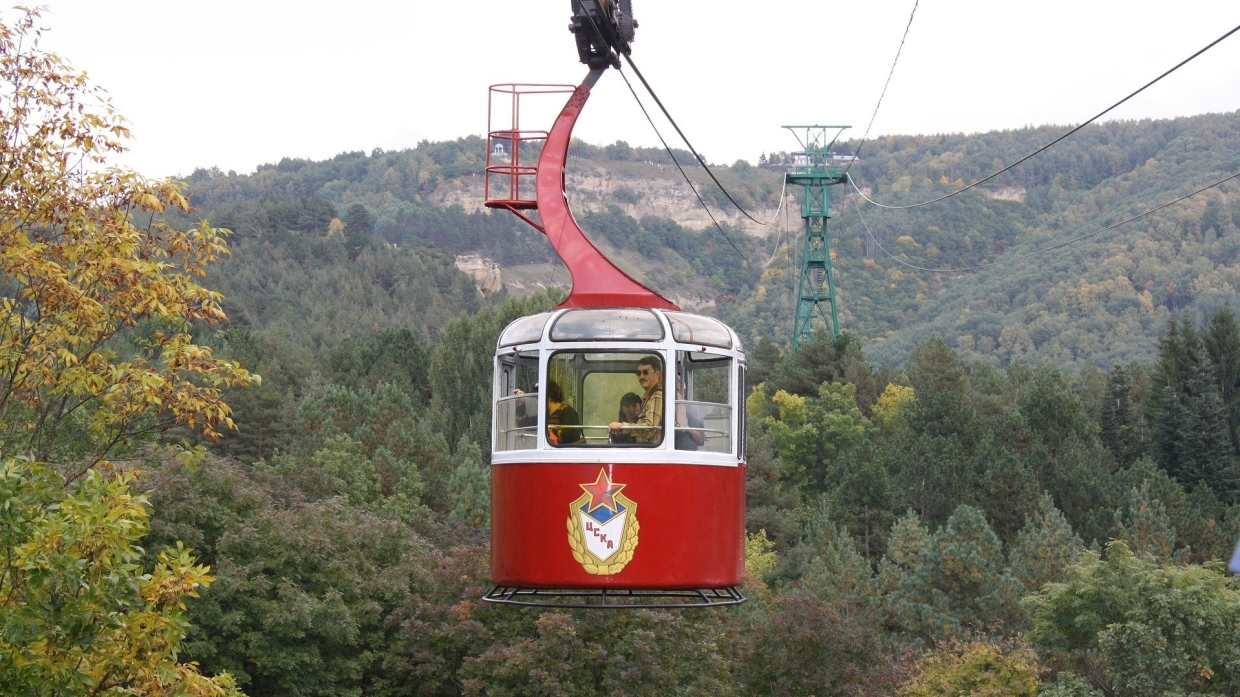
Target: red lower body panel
point(635, 526)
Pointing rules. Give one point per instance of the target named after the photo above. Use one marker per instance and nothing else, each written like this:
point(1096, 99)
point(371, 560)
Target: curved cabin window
point(605, 399)
point(703, 418)
point(607, 325)
point(516, 402)
point(527, 330)
point(696, 329)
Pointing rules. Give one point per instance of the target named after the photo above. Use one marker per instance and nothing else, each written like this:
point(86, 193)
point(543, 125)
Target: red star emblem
point(602, 492)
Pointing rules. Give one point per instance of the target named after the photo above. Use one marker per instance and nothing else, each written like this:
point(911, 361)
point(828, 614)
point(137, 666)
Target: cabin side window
point(516, 401)
point(703, 418)
point(605, 399)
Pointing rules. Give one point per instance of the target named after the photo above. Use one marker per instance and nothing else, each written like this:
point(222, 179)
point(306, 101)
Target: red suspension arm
point(596, 281)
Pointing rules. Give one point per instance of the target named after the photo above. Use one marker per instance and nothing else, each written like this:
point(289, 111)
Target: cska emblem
point(602, 527)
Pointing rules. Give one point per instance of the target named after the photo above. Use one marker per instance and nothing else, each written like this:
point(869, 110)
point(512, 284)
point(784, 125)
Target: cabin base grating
point(616, 599)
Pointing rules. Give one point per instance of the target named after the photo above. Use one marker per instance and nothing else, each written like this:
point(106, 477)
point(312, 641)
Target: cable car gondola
point(594, 504)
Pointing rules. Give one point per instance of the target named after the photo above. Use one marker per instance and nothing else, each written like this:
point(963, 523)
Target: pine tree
point(1052, 409)
point(802, 372)
point(960, 584)
point(766, 356)
point(837, 571)
point(1006, 486)
point(1177, 355)
point(1222, 341)
point(1120, 425)
point(864, 501)
point(1143, 523)
point(1208, 456)
point(1169, 424)
point(470, 486)
point(1044, 548)
point(943, 404)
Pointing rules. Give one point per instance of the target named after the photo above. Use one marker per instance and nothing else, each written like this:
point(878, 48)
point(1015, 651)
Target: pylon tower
point(815, 171)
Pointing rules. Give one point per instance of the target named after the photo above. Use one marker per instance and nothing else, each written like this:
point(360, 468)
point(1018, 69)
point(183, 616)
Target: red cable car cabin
point(584, 498)
point(596, 502)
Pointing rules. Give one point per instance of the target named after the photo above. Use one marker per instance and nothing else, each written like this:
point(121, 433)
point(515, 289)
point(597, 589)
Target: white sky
point(236, 84)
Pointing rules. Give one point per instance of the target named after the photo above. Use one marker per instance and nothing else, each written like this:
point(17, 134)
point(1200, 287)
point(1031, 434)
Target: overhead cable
point(682, 169)
point(866, 135)
point(1100, 114)
point(779, 233)
point(700, 159)
point(1044, 250)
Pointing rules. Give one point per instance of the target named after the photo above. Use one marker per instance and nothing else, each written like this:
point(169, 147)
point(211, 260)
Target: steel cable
point(866, 135)
point(1100, 114)
point(1044, 250)
point(682, 169)
point(700, 159)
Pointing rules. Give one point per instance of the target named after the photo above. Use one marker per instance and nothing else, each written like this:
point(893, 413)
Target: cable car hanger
point(602, 27)
point(563, 449)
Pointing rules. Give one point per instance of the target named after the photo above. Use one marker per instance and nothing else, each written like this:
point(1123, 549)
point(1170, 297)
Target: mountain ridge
point(1048, 308)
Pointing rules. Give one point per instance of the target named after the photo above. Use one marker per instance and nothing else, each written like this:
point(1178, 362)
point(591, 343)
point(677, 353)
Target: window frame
point(615, 453)
point(580, 389)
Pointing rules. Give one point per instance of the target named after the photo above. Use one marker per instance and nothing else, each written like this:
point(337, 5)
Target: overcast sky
point(237, 84)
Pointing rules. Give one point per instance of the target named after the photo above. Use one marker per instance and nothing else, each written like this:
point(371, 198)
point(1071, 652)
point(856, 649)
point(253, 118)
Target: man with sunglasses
point(648, 428)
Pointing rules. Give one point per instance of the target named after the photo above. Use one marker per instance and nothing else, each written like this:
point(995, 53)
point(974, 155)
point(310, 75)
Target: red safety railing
point(512, 152)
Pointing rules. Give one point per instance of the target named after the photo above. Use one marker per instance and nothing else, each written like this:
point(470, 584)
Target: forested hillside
point(1016, 482)
point(1103, 299)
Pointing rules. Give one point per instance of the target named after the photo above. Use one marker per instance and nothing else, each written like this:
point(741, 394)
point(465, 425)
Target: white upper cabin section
point(619, 385)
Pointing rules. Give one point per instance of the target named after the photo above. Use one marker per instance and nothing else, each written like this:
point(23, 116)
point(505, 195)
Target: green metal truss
point(815, 172)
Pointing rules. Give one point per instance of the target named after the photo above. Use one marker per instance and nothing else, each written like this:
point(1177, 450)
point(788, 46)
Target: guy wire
point(1038, 252)
point(682, 169)
point(1099, 115)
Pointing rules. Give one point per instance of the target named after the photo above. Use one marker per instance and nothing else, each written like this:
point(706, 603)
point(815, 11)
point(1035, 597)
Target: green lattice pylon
point(815, 171)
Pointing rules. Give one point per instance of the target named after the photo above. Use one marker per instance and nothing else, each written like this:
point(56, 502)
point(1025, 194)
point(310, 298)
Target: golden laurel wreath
point(586, 558)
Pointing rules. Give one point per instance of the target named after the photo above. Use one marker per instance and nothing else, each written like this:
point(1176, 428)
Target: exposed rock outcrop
point(660, 194)
point(486, 273)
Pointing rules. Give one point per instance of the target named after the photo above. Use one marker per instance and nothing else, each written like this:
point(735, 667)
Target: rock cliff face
point(486, 273)
point(1007, 193)
point(648, 190)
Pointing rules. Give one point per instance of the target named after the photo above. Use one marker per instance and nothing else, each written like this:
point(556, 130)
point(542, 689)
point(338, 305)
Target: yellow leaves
point(98, 622)
point(906, 243)
point(756, 402)
point(148, 202)
point(335, 229)
point(760, 558)
point(80, 274)
point(975, 668)
point(792, 408)
point(892, 404)
point(1147, 302)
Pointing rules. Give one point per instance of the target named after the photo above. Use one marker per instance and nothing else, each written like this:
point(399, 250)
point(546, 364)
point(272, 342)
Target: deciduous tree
point(79, 615)
point(97, 290)
point(1135, 626)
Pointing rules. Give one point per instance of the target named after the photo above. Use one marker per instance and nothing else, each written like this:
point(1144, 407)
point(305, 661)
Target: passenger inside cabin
point(526, 417)
point(690, 416)
point(650, 377)
point(560, 415)
point(630, 408)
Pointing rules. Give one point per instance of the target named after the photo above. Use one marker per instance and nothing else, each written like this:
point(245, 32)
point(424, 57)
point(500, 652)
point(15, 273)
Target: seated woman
point(650, 377)
point(630, 407)
point(560, 414)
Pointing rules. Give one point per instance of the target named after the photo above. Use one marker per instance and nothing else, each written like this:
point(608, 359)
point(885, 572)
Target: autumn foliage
point(98, 295)
point(86, 260)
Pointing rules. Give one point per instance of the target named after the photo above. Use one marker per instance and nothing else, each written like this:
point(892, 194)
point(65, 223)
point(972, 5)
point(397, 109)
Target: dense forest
point(1103, 300)
point(250, 456)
